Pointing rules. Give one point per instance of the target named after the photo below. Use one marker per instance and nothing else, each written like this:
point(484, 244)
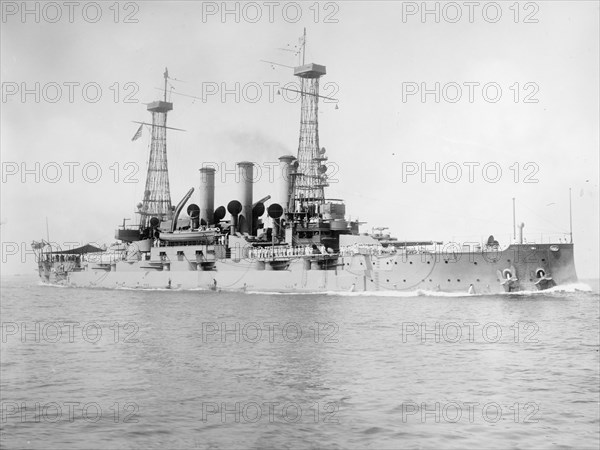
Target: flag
point(37, 245)
point(138, 133)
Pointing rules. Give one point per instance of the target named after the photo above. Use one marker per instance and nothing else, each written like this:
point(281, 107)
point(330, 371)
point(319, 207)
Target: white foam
point(43, 283)
point(417, 293)
point(567, 288)
point(574, 287)
point(562, 289)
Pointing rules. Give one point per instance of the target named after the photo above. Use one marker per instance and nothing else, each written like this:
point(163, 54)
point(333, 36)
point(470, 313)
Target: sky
point(443, 115)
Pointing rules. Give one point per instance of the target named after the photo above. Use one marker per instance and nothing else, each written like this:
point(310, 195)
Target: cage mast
point(157, 196)
point(310, 180)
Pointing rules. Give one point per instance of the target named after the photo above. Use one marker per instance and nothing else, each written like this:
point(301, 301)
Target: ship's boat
point(189, 235)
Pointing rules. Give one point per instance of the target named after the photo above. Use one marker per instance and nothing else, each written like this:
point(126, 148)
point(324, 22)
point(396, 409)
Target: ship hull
point(463, 272)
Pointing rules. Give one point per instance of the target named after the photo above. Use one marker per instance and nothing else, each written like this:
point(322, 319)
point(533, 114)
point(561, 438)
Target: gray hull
point(478, 272)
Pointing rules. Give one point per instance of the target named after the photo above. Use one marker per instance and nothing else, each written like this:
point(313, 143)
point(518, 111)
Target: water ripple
point(189, 370)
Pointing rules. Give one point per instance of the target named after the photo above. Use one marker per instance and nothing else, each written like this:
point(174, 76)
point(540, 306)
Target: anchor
point(510, 282)
point(544, 281)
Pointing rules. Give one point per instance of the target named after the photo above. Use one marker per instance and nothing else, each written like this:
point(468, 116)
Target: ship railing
point(284, 252)
point(556, 238)
point(63, 266)
point(367, 249)
point(105, 258)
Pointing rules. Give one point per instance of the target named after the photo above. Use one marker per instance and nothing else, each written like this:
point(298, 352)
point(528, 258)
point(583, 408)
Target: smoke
point(253, 146)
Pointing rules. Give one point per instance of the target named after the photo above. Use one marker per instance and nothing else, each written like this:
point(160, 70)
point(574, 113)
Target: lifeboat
point(187, 236)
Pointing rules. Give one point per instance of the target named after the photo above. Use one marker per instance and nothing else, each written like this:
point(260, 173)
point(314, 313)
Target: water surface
point(219, 370)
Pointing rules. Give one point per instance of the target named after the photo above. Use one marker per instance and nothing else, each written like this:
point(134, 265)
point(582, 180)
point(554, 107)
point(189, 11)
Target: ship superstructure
point(294, 239)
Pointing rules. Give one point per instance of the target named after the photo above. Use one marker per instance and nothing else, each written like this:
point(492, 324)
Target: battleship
point(293, 240)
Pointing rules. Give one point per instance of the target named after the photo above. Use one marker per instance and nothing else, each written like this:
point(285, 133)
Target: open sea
point(191, 369)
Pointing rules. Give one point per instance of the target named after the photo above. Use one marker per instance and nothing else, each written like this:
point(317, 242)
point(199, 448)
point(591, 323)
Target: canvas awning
point(88, 248)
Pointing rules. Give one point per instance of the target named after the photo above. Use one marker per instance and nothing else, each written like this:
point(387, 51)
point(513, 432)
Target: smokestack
point(207, 195)
point(246, 180)
point(521, 226)
point(285, 180)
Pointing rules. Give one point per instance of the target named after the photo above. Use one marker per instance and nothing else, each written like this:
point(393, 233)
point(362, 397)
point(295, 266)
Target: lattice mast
point(157, 196)
point(308, 190)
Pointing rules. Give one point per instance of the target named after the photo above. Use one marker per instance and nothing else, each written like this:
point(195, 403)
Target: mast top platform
point(160, 106)
point(310, 71)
